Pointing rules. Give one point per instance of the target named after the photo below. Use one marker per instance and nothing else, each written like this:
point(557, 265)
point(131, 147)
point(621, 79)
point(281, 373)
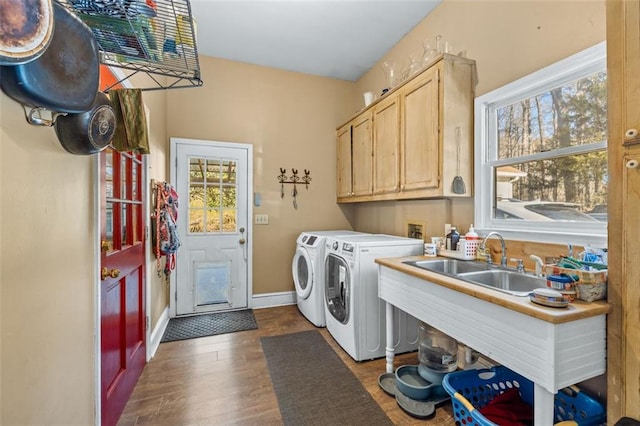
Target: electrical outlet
point(262, 219)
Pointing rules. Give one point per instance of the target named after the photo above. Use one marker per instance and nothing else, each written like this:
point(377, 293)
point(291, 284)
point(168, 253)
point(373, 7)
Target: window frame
point(584, 63)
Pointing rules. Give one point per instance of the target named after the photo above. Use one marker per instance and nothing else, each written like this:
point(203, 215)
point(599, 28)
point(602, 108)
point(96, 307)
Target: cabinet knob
point(632, 164)
point(631, 133)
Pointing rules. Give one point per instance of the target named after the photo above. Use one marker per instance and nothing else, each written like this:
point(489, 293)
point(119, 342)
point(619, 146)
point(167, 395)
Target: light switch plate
point(262, 219)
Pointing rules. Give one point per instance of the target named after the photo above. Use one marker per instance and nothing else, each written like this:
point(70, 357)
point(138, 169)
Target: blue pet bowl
point(411, 384)
point(435, 377)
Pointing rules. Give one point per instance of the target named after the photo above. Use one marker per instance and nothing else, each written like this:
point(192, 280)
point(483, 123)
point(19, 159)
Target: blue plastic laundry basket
point(474, 389)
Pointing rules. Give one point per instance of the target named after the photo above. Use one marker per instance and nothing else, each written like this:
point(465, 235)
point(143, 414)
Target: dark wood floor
point(224, 380)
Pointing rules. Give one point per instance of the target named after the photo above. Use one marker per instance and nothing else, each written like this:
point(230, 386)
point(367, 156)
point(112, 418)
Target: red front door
point(122, 290)
point(122, 294)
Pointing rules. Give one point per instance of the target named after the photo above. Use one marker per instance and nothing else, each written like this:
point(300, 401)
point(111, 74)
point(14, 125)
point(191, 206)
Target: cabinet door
point(631, 293)
point(630, 34)
point(420, 168)
point(386, 145)
point(343, 163)
point(362, 149)
point(631, 67)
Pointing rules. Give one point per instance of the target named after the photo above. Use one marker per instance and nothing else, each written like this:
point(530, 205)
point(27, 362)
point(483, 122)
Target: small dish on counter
point(548, 297)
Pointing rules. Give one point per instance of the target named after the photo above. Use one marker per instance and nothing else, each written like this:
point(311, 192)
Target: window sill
point(594, 240)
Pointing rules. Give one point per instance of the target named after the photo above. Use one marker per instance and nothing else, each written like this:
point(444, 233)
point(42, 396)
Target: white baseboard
point(271, 300)
point(157, 333)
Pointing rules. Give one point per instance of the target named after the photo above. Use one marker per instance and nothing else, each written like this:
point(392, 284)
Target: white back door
point(213, 180)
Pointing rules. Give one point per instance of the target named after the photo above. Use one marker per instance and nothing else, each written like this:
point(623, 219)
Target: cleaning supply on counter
point(562, 281)
point(462, 245)
point(452, 238)
point(471, 234)
point(430, 249)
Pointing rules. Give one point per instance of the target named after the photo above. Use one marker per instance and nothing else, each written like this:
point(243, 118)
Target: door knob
point(106, 272)
point(105, 245)
point(242, 241)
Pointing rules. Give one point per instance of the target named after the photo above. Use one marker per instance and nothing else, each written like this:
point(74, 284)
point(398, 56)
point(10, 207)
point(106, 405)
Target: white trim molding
point(271, 300)
point(156, 334)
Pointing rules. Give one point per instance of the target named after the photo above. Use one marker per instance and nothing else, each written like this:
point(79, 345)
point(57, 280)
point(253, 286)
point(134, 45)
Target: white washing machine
point(308, 273)
point(355, 315)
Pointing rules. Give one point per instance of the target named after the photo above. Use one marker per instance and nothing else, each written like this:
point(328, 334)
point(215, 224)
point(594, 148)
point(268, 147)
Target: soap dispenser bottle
point(471, 235)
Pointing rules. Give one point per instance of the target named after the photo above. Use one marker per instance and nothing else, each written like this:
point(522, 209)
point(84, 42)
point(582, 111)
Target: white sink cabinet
point(552, 355)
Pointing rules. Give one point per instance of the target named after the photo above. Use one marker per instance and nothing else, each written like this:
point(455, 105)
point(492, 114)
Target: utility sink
point(479, 273)
point(515, 283)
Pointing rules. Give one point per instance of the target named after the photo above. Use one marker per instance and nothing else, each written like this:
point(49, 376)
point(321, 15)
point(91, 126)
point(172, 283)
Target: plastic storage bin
point(466, 252)
point(474, 389)
point(591, 285)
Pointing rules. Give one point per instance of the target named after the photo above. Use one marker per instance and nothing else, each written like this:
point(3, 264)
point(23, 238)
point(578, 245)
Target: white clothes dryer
point(308, 273)
point(355, 315)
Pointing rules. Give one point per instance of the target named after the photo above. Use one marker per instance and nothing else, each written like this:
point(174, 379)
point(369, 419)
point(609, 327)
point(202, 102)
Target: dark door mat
point(314, 387)
point(209, 325)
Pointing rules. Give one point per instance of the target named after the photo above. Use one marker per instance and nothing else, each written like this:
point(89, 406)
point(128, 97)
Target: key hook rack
point(294, 179)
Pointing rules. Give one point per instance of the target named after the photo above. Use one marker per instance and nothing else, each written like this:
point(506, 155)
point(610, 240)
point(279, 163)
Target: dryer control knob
point(335, 245)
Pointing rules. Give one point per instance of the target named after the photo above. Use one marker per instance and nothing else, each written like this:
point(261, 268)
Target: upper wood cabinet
point(386, 145)
point(420, 168)
point(417, 134)
point(343, 149)
point(362, 155)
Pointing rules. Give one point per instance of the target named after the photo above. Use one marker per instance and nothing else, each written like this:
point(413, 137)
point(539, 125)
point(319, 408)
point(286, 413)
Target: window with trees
point(213, 204)
point(541, 153)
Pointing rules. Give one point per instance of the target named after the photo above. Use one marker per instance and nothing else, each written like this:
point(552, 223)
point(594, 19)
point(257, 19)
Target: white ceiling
point(330, 38)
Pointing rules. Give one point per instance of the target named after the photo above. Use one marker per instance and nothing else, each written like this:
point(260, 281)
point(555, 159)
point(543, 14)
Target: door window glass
point(109, 224)
point(109, 172)
point(124, 222)
point(213, 220)
point(213, 204)
point(124, 236)
point(124, 172)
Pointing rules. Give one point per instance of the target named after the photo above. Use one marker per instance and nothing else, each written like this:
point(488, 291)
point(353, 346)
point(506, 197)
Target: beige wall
point(157, 161)
point(508, 40)
point(47, 298)
point(47, 283)
point(290, 120)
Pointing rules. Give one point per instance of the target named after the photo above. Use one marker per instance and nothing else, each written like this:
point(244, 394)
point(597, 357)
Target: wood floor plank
point(224, 379)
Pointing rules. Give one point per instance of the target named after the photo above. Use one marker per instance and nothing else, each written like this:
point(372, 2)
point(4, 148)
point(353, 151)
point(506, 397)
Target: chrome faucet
point(483, 246)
